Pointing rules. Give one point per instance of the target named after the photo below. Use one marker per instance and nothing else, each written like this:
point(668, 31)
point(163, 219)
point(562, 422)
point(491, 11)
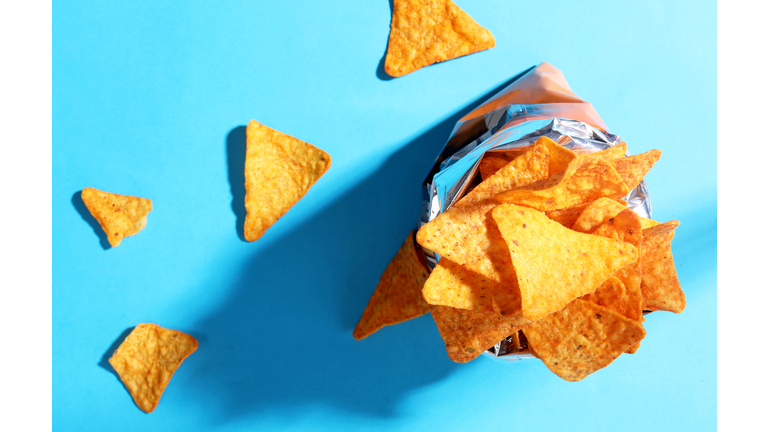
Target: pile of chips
point(545, 251)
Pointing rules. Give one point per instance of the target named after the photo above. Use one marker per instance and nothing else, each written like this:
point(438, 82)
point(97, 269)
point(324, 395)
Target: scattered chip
point(586, 179)
point(554, 264)
point(633, 169)
point(581, 338)
point(147, 359)
point(279, 170)
point(120, 216)
point(423, 33)
point(468, 333)
point(397, 297)
point(660, 286)
point(596, 213)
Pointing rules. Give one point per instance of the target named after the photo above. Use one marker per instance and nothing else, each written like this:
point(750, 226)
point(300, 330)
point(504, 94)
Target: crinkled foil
point(502, 129)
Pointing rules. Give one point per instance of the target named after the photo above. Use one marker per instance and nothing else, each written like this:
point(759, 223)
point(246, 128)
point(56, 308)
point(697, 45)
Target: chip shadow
point(236, 147)
point(77, 202)
point(282, 337)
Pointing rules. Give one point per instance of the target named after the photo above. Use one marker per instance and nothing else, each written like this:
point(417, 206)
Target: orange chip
point(613, 152)
point(661, 287)
point(633, 169)
point(633, 349)
point(581, 338)
point(613, 294)
point(567, 216)
point(451, 285)
point(531, 166)
point(489, 165)
point(560, 156)
point(554, 264)
point(468, 333)
point(423, 33)
point(586, 179)
point(596, 213)
point(647, 223)
point(148, 358)
point(397, 297)
point(279, 170)
point(120, 216)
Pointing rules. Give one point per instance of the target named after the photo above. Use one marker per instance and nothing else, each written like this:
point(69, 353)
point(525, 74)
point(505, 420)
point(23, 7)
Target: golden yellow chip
point(633, 169)
point(560, 156)
point(661, 287)
point(586, 179)
point(451, 285)
point(427, 32)
point(489, 165)
point(613, 152)
point(554, 264)
point(647, 223)
point(120, 216)
point(397, 297)
point(279, 170)
point(596, 213)
point(147, 359)
point(529, 167)
point(581, 338)
point(567, 216)
point(468, 333)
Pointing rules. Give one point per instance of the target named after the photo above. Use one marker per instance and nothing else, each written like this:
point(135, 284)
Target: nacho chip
point(581, 338)
point(531, 166)
point(567, 216)
point(451, 285)
point(423, 33)
point(468, 333)
point(647, 223)
point(560, 156)
point(596, 213)
point(586, 179)
point(120, 216)
point(613, 152)
point(633, 348)
point(147, 359)
point(613, 294)
point(397, 297)
point(279, 170)
point(633, 169)
point(489, 165)
point(660, 286)
point(554, 264)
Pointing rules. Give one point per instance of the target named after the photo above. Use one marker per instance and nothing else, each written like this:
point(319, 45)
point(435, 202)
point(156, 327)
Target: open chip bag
point(536, 237)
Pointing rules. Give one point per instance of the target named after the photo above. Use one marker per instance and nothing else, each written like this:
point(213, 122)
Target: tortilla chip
point(489, 165)
point(554, 264)
point(423, 33)
point(586, 179)
point(120, 216)
point(467, 235)
point(468, 333)
point(613, 152)
point(451, 285)
point(596, 213)
point(633, 169)
point(660, 286)
point(279, 170)
point(633, 349)
point(147, 359)
point(531, 166)
point(613, 295)
point(560, 156)
point(582, 338)
point(397, 297)
point(567, 216)
point(647, 223)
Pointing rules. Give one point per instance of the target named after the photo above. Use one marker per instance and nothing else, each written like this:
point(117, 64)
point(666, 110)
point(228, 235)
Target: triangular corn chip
point(633, 169)
point(120, 216)
point(468, 333)
point(427, 32)
point(147, 359)
point(554, 264)
point(613, 152)
point(581, 338)
point(489, 165)
point(279, 170)
point(567, 216)
point(661, 287)
point(586, 179)
point(647, 223)
point(560, 156)
point(596, 213)
point(397, 297)
point(529, 167)
point(451, 285)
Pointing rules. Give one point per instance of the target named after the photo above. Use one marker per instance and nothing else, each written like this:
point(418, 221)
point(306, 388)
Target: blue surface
point(151, 100)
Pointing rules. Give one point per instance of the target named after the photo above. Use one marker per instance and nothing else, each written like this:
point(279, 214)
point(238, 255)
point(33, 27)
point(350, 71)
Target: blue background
point(152, 99)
